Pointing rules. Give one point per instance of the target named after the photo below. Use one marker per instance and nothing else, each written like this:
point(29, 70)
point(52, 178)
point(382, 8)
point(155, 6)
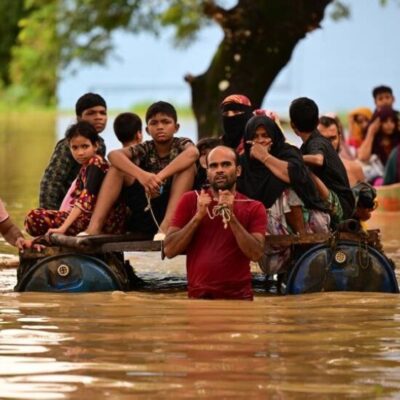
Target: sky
point(337, 65)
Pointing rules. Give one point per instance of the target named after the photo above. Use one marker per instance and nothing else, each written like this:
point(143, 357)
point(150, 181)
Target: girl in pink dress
point(83, 142)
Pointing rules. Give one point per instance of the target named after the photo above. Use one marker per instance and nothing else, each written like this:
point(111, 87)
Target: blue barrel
point(71, 273)
point(348, 266)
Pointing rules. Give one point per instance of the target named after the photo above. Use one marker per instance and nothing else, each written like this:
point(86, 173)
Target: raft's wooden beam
point(110, 243)
point(315, 238)
point(146, 245)
point(94, 242)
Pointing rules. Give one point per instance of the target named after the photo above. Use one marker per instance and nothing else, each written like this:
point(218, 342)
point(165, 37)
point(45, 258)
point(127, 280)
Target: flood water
point(159, 344)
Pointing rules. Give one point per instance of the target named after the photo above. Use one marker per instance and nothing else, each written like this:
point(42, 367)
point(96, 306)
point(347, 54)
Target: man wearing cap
point(62, 168)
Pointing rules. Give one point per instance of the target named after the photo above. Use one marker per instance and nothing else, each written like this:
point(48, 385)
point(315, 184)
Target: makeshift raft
point(341, 261)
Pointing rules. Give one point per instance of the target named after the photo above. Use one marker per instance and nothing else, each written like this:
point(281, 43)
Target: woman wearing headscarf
point(274, 173)
point(358, 125)
point(382, 137)
point(236, 110)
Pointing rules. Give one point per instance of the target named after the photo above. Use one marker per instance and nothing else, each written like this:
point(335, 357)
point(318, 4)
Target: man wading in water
point(220, 230)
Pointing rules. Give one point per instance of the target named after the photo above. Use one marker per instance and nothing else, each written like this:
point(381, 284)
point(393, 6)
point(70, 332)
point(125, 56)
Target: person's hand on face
point(260, 150)
point(375, 126)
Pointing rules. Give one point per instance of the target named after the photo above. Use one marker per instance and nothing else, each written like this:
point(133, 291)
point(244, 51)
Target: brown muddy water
point(162, 345)
point(159, 344)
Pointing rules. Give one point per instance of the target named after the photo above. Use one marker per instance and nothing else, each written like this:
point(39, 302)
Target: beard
point(226, 184)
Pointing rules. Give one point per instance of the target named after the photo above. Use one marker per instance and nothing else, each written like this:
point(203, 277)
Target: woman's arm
point(365, 149)
point(278, 167)
point(314, 160)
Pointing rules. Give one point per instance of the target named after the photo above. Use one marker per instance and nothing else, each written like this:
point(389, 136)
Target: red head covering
point(238, 99)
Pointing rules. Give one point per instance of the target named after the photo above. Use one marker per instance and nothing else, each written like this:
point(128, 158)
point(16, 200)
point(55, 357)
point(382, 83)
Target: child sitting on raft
point(83, 143)
point(63, 169)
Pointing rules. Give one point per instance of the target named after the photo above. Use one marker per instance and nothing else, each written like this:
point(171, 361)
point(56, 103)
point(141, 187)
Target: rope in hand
point(222, 210)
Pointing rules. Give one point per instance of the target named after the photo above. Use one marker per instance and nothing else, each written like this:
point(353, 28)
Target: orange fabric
point(356, 135)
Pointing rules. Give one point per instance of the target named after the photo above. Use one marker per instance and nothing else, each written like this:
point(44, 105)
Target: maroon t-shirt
point(216, 267)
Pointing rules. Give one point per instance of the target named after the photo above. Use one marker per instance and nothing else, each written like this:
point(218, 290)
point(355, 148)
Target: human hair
point(303, 114)
point(161, 107)
point(88, 100)
point(381, 89)
point(126, 126)
point(328, 121)
point(82, 128)
point(208, 143)
point(386, 113)
point(237, 161)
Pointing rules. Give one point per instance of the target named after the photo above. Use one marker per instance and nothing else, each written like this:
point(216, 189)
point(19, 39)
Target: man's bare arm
point(314, 159)
point(10, 231)
point(251, 244)
point(178, 239)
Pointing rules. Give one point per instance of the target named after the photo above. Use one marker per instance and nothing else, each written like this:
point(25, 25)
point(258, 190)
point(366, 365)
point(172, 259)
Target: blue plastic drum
point(349, 266)
point(70, 273)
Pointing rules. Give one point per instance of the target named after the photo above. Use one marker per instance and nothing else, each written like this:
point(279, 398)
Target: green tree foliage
point(259, 37)
point(36, 57)
point(11, 12)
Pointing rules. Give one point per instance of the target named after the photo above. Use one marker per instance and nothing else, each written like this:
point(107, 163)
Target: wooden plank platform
point(134, 242)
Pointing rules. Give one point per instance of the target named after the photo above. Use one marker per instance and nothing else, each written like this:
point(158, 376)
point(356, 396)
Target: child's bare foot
point(159, 236)
point(83, 233)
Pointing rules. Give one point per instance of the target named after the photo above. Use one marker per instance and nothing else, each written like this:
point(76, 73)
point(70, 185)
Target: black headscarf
point(234, 126)
point(259, 183)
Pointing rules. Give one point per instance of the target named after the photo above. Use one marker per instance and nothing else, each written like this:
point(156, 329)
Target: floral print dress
point(83, 196)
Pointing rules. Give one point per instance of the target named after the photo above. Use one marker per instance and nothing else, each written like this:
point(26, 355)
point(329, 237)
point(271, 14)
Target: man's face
point(332, 134)
point(384, 100)
point(161, 128)
point(222, 170)
point(96, 116)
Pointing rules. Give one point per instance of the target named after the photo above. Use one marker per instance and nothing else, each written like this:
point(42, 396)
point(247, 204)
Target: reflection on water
point(146, 345)
point(162, 345)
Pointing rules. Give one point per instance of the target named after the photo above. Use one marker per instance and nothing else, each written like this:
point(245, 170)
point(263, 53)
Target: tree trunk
point(259, 38)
